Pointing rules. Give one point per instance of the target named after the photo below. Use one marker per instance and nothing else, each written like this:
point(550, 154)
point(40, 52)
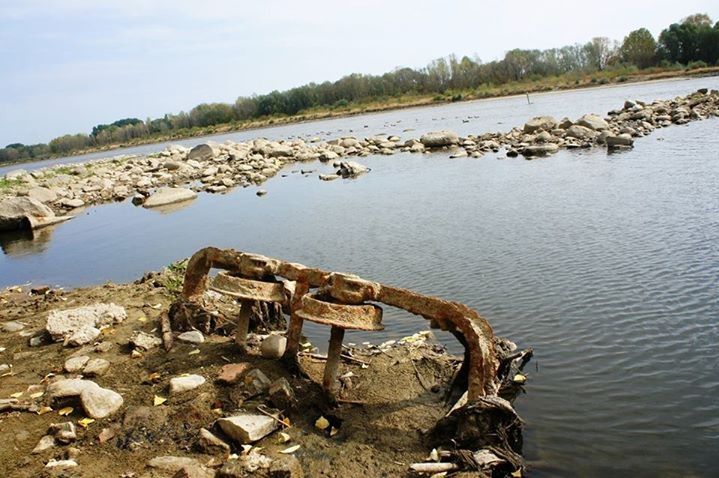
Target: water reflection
point(24, 242)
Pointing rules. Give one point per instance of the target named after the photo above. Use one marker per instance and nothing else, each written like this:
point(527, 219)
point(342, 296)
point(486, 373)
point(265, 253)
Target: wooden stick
point(167, 338)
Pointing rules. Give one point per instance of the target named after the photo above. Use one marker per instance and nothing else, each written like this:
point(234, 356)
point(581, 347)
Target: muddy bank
point(169, 417)
point(177, 174)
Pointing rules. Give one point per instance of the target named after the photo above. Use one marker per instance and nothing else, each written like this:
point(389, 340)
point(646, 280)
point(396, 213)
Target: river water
point(608, 265)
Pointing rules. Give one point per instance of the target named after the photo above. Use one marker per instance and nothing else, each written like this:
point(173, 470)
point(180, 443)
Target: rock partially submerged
point(26, 213)
point(165, 196)
point(438, 139)
point(351, 169)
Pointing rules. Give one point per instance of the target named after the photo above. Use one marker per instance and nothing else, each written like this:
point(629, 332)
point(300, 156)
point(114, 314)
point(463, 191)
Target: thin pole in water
point(528, 102)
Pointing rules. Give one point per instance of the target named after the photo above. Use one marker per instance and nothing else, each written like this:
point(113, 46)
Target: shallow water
point(608, 265)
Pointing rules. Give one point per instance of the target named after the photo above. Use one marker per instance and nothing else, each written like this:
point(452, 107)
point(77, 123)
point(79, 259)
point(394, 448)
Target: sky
point(67, 65)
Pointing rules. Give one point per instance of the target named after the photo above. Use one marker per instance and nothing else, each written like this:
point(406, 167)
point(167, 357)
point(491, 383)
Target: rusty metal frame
point(472, 330)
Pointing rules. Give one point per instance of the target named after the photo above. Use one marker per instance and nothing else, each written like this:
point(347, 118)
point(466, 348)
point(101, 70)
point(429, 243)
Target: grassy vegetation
point(173, 277)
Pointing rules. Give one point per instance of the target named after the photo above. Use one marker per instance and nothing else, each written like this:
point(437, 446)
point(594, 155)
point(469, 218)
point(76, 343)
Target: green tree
point(639, 48)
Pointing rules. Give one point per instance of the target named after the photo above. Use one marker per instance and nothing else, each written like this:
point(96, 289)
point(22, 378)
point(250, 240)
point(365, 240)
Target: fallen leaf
point(159, 400)
point(16, 395)
point(65, 411)
point(154, 377)
point(291, 449)
point(44, 410)
point(37, 395)
point(284, 437)
point(322, 423)
point(194, 352)
point(85, 422)
point(519, 378)
point(333, 431)
point(142, 318)
point(517, 474)
point(286, 422)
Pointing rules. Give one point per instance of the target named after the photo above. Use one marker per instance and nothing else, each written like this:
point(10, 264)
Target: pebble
point(65, 432)
point(192, 336)
point(281, 394)
point(96, 367)
point(232, 373)
point(143, 341)
point(273, 346)
point(211, 444)
point(61, 464)
point(12, 326)
point(256, 381)
point(75, 364)
point(45, 443)
point(100, 402)
point(183, 384)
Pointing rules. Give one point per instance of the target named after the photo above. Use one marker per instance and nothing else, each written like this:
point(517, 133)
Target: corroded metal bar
point(329, 380)
point(480, 360)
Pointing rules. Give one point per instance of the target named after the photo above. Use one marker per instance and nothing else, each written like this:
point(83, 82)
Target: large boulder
point(619, 141)
point(580, 132)
point(351, 169)
point(74, 325)
point(546, 123)
point(540, 150)
point(437, 139)
point(26, 213)
point(593, 122)
point(164, 196)
point(203, 152)
point(44, 195)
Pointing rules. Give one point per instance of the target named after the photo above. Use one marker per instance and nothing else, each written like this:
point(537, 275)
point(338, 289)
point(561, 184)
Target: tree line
point(693, 42)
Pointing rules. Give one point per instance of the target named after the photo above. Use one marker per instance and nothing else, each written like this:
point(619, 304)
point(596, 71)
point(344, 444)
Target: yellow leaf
point(284, 437)
point(291, 449)
point(16, 395)
point(142, 318)
point(194, 352)
point(65, 411)
point(37, 395)
point(154, 377)
point(519, 378)
point(136, 353)
point(44, 410)
point(85, 422)
point(286, 422)
point(159, 400)
point(517, 474)
point(322, 423)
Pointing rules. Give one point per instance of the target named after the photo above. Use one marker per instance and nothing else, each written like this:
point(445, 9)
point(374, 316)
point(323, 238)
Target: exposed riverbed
point(606, 264)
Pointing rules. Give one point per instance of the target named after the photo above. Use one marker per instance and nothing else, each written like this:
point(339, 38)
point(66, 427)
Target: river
point(606, 264)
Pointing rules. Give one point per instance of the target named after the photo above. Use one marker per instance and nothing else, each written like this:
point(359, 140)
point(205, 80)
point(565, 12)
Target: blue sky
point(69, 65)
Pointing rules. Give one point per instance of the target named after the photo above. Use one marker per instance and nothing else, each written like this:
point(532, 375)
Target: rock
point(172, 464)
point(12, 326)
point(211, 444)
point(167, 195)
point(141, 340)
point(45, 443)
point(261, 192)
point(26, 213)
point(100, 402)
point(172, 165)
point(232, 373)
point(593, 122)
point(192, 336)
point(75, 364)
point(618, 141)
point(96, 367)
point(566, 123)
point(44, 195)
point(69, 387)
point(106, 435)
point(82, 337)
point(183, 384)
point(61, 464)
point(281, 394)
point(580, 132)
point(256, 381)
point(247, 428)
point(203, 152)
point(194, 471)
point(72, 203)
point(329, 177)
point(351, 169)
point(65, 432)
point(273, 347)
point(15, 174)
point(544, 137)
point(4, 368)
point(546, 123)
point(62, 324)
point(438, 139)
point(540, 150)
point(286, 466)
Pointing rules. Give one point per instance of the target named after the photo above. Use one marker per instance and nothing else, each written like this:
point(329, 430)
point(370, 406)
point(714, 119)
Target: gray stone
point(438, 139)
point(100, 402)
point(622, 140)
point(351, 169)
point(75, 364)
point(44, 195)
point(286, 466)
point(61, 464)
point(211, 444)
point(192, 336)
point(45, 443)
point(72, 203)
point(546, 123)
point(273, 347)
point(247, 428)
point(593, 122)
point(329, 177)
point(26, 213)
point(166, 195)
point(69, 387)
point(82, 337)
point(65, 432)
point(580, 132)
point(256, 381)
point(172, 464)
point(143, 341)
point(12, 326)
point(96, 367)
point(203, 152)
point(183, 384)
point(540, 150)
point(15, 174)
point(281, 394)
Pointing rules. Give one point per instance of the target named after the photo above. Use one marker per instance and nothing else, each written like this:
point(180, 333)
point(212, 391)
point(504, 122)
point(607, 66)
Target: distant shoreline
point(535, 88)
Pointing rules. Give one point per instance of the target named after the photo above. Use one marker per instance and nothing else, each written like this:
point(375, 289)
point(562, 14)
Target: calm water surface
point(608, 265)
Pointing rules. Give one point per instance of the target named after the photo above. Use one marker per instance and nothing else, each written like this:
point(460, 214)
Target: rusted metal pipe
point(330, 383)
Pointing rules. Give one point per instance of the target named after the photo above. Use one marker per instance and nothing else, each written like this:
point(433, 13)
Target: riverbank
point(553, 84)
point(146, 412)
point(176, 174)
